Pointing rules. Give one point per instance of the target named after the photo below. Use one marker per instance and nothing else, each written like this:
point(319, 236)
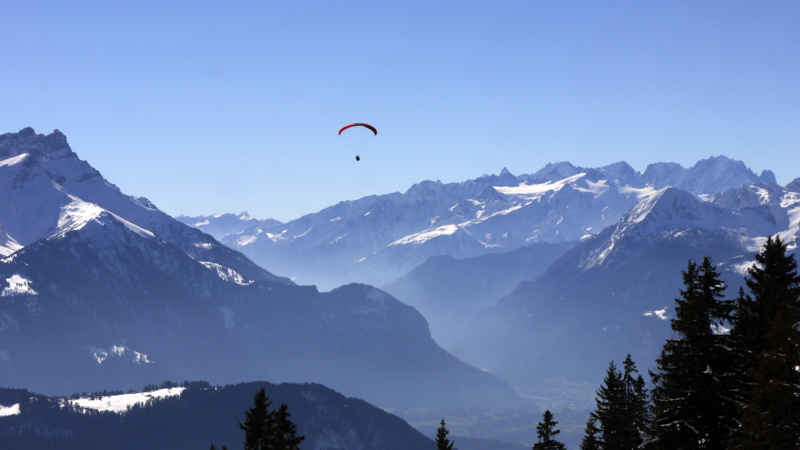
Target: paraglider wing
point(365, 125)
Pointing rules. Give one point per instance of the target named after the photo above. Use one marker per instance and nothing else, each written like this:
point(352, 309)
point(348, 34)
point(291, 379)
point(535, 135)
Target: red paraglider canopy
point(365, 125)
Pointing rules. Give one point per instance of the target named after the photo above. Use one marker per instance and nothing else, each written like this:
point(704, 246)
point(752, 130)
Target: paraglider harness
point(358, 158)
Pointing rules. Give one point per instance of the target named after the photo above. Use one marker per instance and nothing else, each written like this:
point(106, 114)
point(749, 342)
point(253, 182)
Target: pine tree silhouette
point(546, 430)
point(442, 443)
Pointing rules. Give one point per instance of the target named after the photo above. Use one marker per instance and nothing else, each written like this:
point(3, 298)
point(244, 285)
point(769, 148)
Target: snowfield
point(12, 410)
point(121, 403)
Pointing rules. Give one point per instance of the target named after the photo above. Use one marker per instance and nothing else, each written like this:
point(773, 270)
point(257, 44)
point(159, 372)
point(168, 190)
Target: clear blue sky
point(207, 107)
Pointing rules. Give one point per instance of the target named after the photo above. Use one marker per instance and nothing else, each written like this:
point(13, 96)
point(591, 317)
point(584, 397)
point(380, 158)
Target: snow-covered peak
point(425, 190)
point(51, 146)
point(747, 214)
point(750, 196)
point(776, 205)
point(767, 176)
point(671, 208)
point(622, 173)
point(707, 176)
point(665, 210)
point(506, 178)
point(663, 174)
point(46, 191)
point(554, 172)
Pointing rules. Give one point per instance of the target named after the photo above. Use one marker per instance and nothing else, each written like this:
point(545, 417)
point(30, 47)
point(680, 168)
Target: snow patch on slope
point(78, 214)
point(226, 273)
point(8, 244)
point(121, 403)
point(12, 410)
point(17, 286)
point(13, 160)
point(101, 354)
point(640, 193)
point(535, 191)
point(424, 236)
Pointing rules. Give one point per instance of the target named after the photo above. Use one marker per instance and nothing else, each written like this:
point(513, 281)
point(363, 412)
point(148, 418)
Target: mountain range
point(614, 293)
point(540, 280)
point(554, 273)
point(109, 292)
point(377, 239)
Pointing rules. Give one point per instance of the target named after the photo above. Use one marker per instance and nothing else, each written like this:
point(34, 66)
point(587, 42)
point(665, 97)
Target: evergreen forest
point(729, 378)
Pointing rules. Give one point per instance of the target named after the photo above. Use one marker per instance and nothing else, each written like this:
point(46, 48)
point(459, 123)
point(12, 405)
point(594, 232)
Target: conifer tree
point(623, 409)
point(610, 411)
point(546, 430)
point(259, 424)
point(694, 395)
point(285, 437)
point(442, 443)
point(269, 430)
point(637, 405)
point(591, 439)
point(766, 333)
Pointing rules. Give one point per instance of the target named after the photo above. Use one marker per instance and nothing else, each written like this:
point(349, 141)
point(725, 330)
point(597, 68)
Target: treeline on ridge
point(201, 416)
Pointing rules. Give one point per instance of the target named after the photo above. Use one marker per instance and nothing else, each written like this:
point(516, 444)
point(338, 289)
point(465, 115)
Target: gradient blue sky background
point(208, 107)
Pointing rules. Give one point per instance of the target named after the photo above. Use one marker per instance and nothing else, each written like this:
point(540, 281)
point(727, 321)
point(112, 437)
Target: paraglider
point(365, 125)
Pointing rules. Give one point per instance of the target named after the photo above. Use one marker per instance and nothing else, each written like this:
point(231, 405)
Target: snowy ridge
point(78, 214)
point(70, 195)
point(378, 238)
point(750, 213)
point(708, 176)
point(221, 225)
point(778, 206)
